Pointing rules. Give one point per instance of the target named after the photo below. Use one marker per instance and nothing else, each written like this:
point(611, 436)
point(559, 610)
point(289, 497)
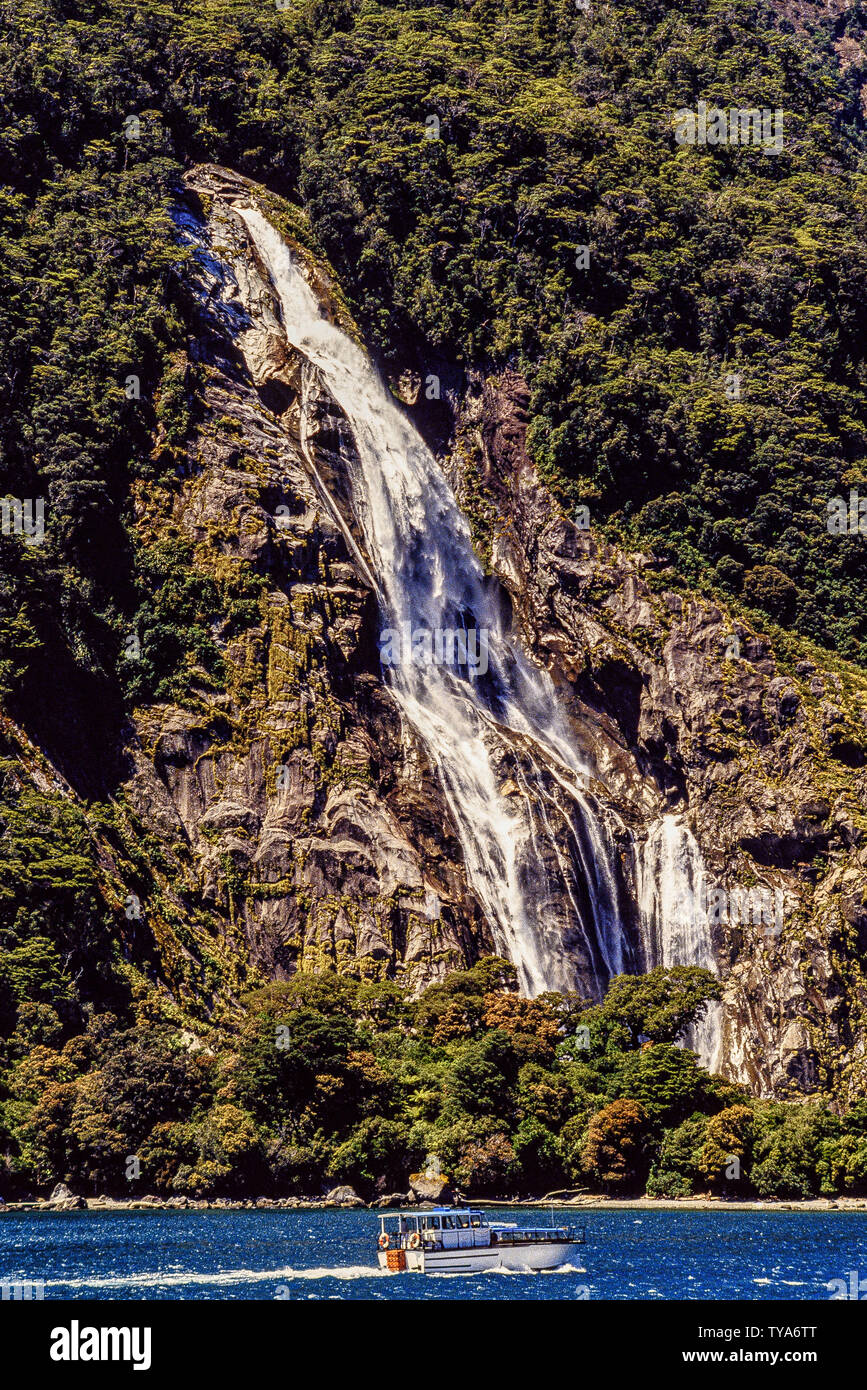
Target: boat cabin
point(443, 1229)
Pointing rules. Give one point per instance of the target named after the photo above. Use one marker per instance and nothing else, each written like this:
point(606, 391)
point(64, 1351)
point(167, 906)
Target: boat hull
point(476, 1260)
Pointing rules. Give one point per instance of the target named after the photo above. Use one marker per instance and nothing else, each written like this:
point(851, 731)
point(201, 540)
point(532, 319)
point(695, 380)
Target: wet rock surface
point(310, 824)
point(686, 709)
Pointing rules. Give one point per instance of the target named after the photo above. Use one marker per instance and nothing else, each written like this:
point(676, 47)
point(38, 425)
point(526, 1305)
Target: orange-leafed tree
point(615, 1148)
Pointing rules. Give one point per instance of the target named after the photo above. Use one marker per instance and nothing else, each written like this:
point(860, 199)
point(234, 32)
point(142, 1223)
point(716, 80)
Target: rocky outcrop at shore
point(584, 1201)
point(431, 1189)
point(344, 1197)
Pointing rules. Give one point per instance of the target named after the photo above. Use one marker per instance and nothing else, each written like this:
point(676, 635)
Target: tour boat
point(454, 1241)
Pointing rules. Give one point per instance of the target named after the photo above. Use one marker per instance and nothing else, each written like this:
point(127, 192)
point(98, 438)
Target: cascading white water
point(672, 893)
point(472, 723)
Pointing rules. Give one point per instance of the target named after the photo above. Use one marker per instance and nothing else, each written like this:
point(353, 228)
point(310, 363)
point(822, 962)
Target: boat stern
point(400, 1261)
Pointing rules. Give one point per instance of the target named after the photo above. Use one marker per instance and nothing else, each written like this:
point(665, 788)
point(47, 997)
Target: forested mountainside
point(252, 922)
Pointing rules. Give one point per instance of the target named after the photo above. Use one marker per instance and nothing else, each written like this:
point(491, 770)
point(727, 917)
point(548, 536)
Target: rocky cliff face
point(692, 711)
point(304, 814)
point(290, 820)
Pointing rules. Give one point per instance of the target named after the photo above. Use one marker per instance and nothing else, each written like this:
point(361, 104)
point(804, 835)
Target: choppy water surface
point(652, 1255)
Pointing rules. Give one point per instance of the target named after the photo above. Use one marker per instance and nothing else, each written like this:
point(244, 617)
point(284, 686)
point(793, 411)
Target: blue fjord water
point(652, 1255)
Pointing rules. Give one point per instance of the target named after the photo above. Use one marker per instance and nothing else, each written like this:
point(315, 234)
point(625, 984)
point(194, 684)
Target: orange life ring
point(414, 1241)
point(383, 1241)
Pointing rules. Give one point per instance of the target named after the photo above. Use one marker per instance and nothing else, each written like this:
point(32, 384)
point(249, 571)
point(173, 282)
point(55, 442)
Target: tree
point(667, 1080)
point(614, 1154)
point(377, 1156)
point(143, 1081)
point(539, 1157)
point(544, 1096)
point(531, 1024)
point(453, 1008)
point(480, 1077)
point(217, 1153)
point(280, 1056)
point(675, 1170)
point(661, 1004)
point(843, 1164)
point(787, 1148)
point(486, 1166)
point(724, 1154)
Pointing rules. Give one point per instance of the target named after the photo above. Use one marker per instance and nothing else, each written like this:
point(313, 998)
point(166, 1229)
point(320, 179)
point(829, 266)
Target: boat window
point(475, 1219)
point(433, 1223)
point(448, 1223)
point(462, 1219)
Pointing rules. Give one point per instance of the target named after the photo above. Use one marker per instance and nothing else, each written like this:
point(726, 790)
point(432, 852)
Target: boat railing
point(522, 1235)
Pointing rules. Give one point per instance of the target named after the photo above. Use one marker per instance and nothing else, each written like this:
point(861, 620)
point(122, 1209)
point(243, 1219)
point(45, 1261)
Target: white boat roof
point(430, 1211)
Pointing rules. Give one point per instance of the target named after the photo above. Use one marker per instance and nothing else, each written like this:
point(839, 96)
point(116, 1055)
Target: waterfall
point(538, 852)
point(672, 893)
point(538, 848)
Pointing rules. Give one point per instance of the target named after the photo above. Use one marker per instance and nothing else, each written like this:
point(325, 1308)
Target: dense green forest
point(555, 130)
point(336, 1081)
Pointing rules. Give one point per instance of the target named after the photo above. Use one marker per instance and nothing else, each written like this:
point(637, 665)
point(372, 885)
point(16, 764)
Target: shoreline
point(602, 1203)
point(582, 1203)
